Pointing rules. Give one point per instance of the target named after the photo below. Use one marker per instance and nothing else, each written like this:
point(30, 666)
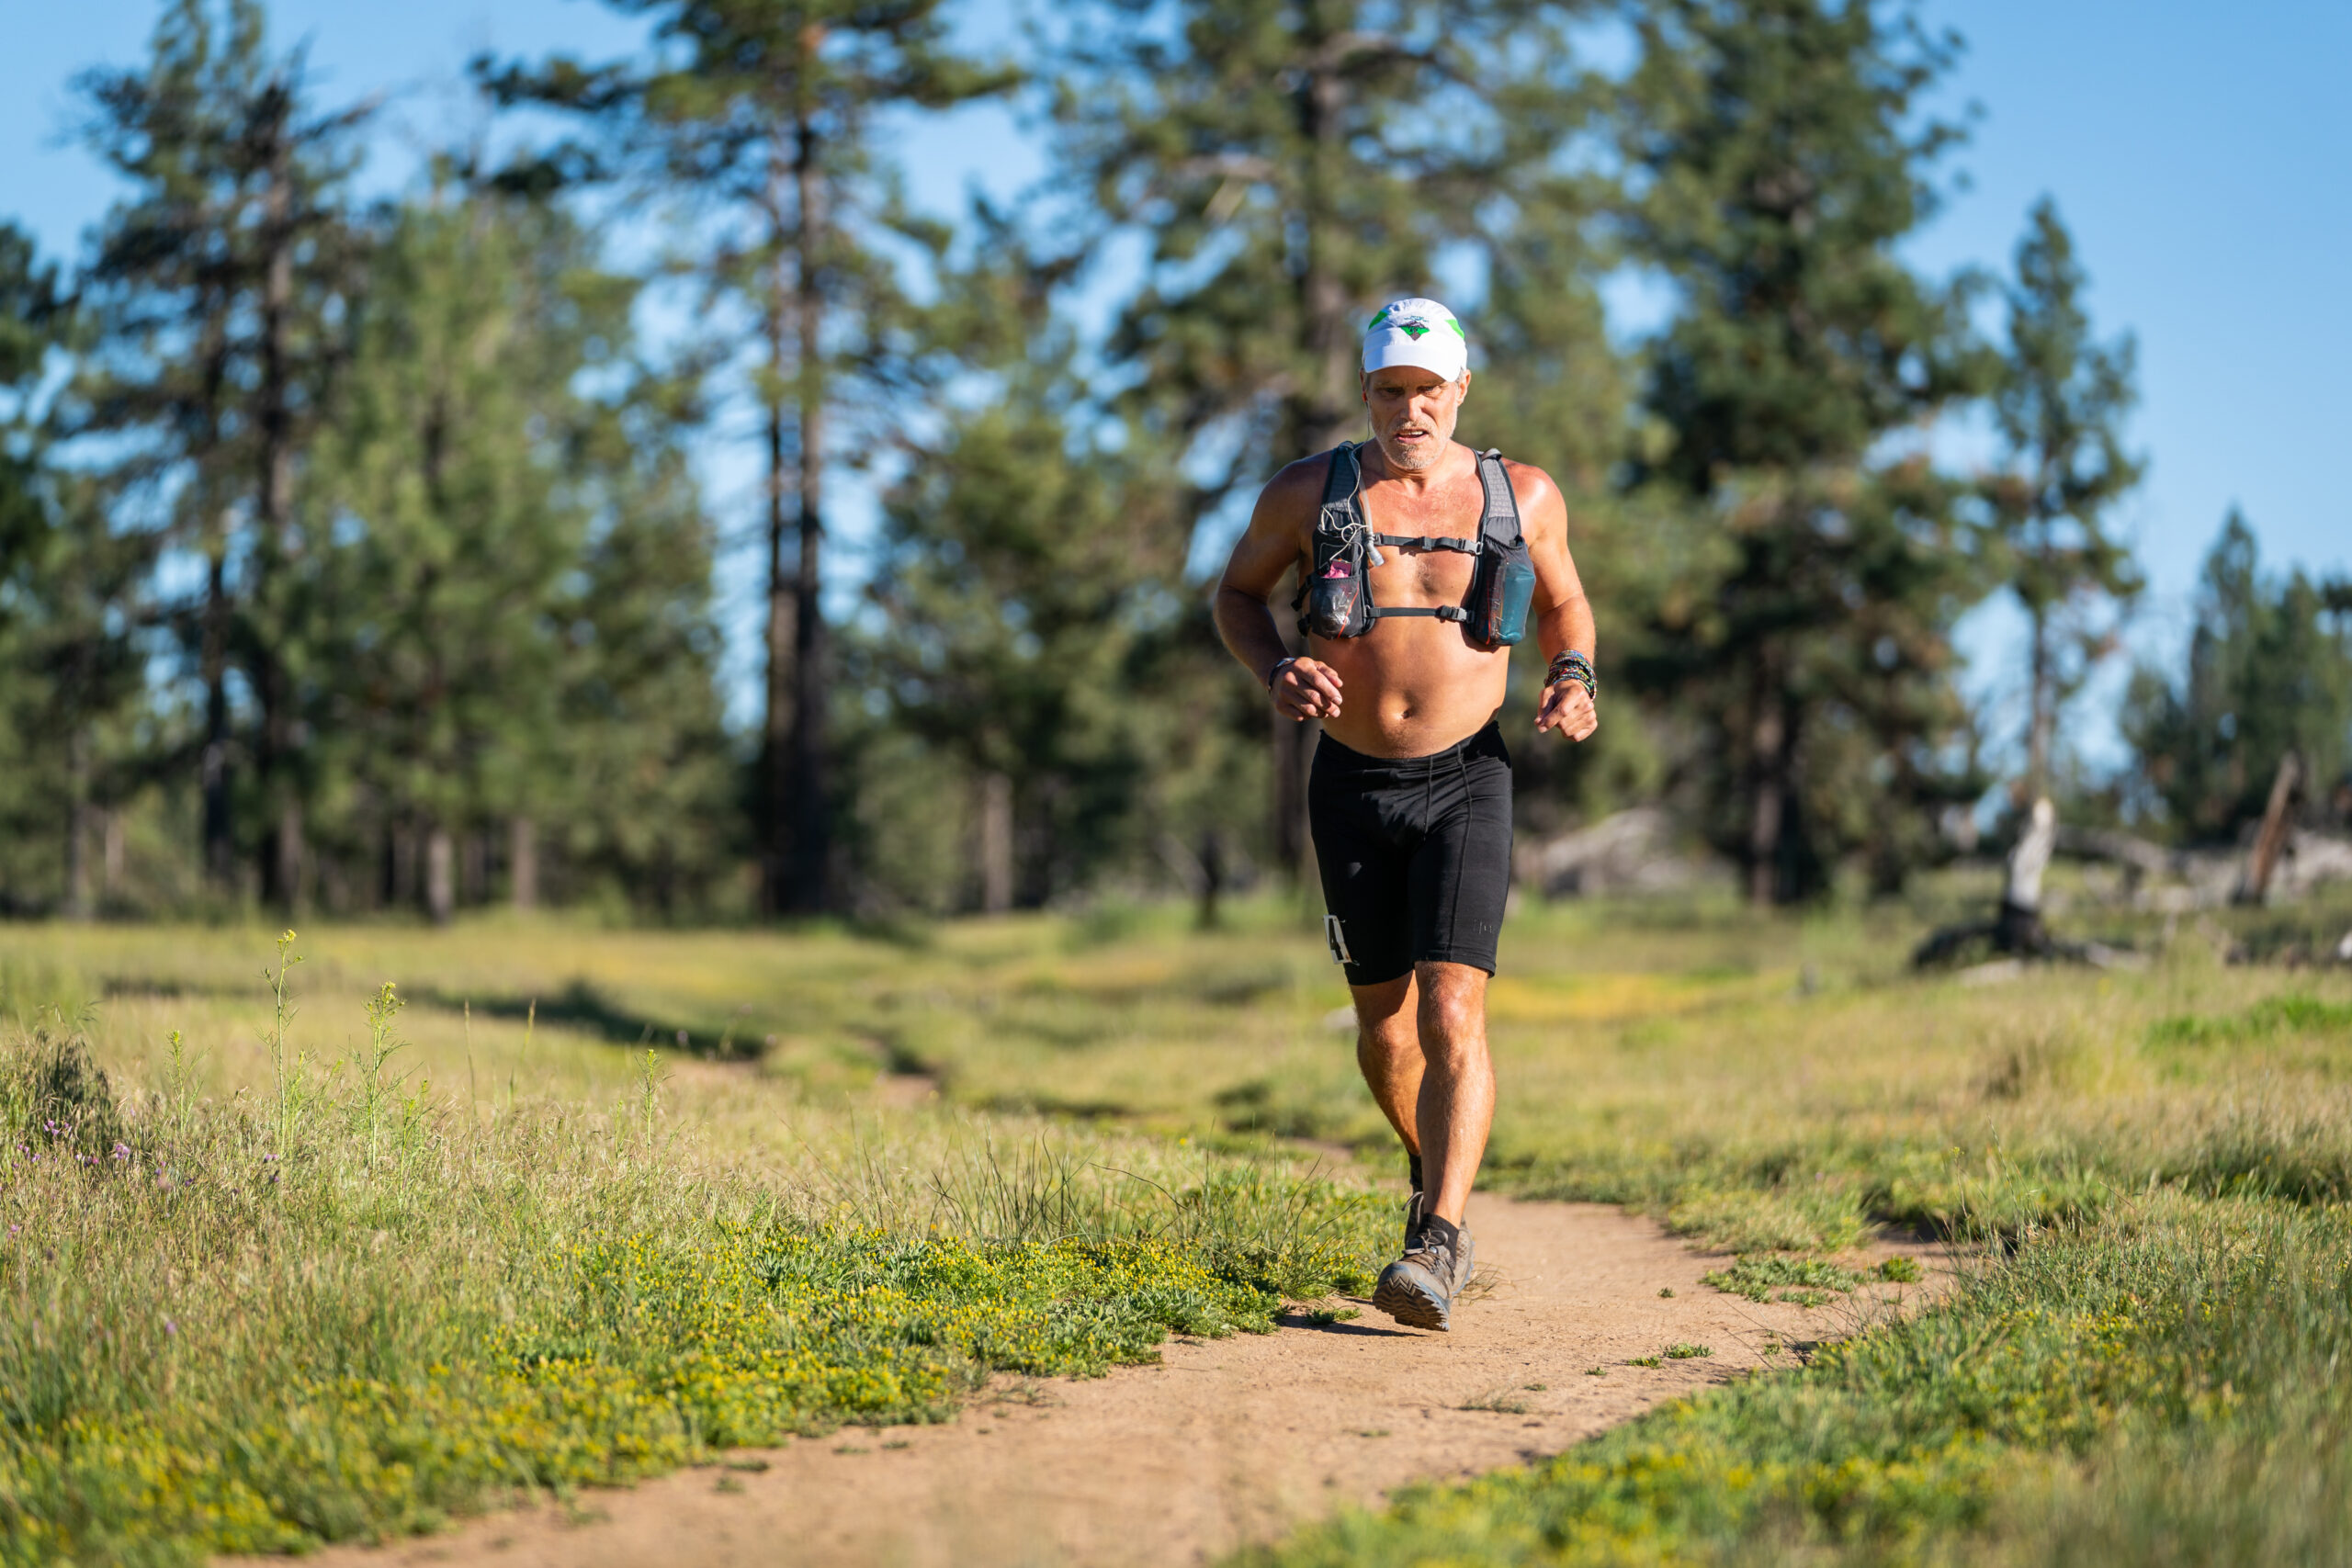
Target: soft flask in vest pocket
point(1332, 601)
point(1504, 589)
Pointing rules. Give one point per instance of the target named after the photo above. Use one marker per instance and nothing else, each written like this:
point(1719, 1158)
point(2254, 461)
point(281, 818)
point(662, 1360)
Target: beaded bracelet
point(1570, 665)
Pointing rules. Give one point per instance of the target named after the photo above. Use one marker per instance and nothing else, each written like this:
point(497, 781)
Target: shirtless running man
point(1409, 799)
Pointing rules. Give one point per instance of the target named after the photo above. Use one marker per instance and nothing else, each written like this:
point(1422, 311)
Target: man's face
point(1413, 413)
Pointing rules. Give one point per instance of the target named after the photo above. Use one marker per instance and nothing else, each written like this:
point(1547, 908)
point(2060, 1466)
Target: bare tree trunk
point(440, 876)
point(2018, 928)
point(2042, 717)
point(1768, 782)
point(79, 825)
point(996, 843)
point(811, 852)
point(2254, 885)
point(523, 863)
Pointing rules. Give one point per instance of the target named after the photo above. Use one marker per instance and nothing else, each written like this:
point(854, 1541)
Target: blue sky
point(2200, 162)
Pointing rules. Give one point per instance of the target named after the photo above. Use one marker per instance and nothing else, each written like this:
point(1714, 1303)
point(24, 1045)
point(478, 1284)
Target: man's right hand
point(1305, 689)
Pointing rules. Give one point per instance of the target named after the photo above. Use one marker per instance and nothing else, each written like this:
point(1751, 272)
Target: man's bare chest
point(1417, 572)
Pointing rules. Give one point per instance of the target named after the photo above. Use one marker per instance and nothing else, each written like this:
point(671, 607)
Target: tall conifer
point(760, 115)
point(1780, 161)
point(219, 289)
point(2059, 405)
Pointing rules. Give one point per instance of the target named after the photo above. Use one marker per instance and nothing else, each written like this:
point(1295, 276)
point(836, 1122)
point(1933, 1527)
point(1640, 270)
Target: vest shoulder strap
point(1501, 522)
point(1344, 478)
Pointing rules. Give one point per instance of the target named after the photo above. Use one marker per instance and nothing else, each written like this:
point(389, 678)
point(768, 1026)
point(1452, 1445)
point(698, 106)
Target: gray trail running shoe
point(1418, 1290)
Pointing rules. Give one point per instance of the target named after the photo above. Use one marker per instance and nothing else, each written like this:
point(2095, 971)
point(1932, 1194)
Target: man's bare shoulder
point(1294, 494)
point(1533, 486)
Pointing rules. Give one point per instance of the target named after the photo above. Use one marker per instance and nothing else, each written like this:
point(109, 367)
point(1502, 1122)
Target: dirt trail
point(1226, 1441)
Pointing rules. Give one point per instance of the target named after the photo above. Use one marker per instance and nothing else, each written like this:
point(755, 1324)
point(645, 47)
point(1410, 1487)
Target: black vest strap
point(1429, 542)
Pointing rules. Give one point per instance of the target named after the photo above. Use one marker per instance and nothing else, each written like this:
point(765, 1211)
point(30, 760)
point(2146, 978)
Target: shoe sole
point(1410, 1304)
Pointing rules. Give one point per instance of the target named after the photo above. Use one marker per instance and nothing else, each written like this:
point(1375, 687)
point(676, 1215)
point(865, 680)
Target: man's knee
point(1453, 1008)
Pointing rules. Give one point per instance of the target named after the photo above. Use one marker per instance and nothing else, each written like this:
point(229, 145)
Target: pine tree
point(1782, 160)
point(2269, 673)
point(70, 617)
point(760, 115)
point(2059, 406)
point(219, 290)
point(512, 548)
point(1291, 165)
point(1033, 630)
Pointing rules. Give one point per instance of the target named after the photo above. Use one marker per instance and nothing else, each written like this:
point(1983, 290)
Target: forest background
point(353, 556)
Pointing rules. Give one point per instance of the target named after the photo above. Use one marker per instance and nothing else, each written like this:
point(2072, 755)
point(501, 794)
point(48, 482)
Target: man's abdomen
point(1411, 687)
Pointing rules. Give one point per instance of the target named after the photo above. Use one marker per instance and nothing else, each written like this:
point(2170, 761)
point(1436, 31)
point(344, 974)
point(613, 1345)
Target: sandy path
point(1226, 1441)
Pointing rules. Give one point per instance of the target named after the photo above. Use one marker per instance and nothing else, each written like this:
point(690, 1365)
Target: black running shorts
point(1415, 854)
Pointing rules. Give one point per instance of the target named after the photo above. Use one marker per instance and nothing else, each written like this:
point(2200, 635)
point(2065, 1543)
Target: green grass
point(623, 1199)
point(350, 1306)
point(2164, 1390)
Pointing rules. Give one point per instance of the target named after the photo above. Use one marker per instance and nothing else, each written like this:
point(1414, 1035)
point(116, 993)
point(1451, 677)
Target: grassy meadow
point(572, 1205)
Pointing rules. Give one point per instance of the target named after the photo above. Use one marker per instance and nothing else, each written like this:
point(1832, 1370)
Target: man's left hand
point(1567, 707)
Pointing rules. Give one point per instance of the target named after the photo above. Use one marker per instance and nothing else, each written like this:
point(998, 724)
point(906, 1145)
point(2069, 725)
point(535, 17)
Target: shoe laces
point(1432, 1249)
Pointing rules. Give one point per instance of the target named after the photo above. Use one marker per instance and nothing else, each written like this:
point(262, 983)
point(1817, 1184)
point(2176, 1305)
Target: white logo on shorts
point(1338, 937)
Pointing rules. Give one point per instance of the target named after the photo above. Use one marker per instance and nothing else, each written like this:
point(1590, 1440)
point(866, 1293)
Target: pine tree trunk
point(219, 832)
point(78, 826)
point(996, 843)
point(400, 865)
point(523, 865)
point(281, 861)
point(775, 737)
point(220, 846)
point(812, 853)
point(111, 886)
point(1316, 418)
point(474, 870)
point(440, 876)
point(288, 855)
point(1768, 782)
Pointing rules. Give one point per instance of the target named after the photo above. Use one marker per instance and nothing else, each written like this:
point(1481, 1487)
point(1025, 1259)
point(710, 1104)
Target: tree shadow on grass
point(583, 1009)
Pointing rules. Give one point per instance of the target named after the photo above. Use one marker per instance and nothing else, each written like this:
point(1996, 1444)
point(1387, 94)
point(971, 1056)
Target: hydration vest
point(1336, 599)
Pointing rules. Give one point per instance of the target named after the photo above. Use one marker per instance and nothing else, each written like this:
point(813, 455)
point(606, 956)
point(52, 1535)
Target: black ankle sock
point(1414, 1162)
point(1441, 1231)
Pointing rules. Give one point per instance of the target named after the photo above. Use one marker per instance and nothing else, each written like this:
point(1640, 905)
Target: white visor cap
point(1419, 332)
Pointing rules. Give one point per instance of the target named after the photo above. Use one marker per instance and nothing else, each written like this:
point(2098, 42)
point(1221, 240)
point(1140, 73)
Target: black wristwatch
point(1280, 665)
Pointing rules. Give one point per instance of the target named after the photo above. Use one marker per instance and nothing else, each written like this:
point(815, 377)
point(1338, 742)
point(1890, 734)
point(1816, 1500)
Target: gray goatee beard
point(1413, 461)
